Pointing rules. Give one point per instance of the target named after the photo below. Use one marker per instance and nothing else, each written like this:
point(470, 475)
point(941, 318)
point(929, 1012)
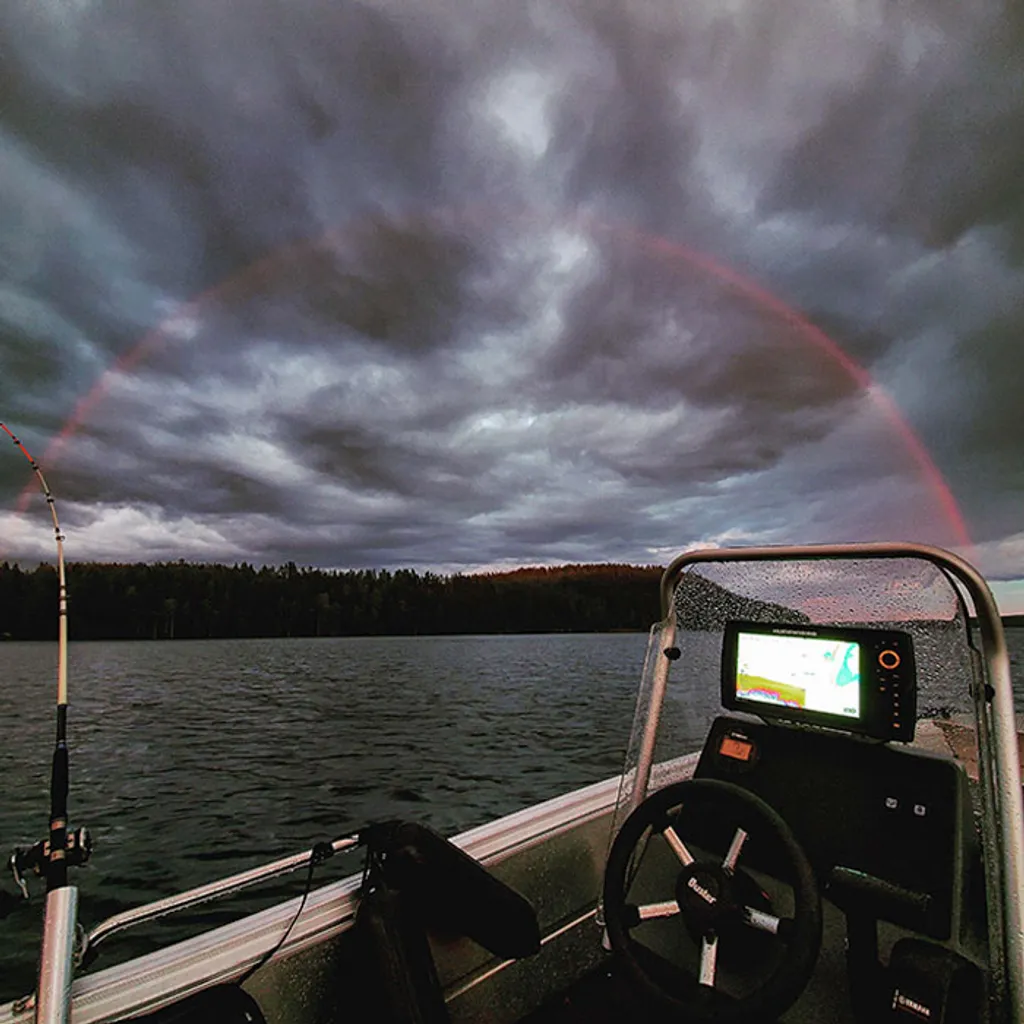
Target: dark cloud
point(924, 143)
point(410, 285)
point(975, 419)
point(455, 285)
point(620, 131)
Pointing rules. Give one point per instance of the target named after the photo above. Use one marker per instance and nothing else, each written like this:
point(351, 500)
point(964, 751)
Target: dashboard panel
point(883, 826)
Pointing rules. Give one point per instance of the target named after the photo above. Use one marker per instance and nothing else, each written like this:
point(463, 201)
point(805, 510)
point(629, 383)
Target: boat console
point(815, 835)
point(885, 826)
point(811, 780)
point(886, 829)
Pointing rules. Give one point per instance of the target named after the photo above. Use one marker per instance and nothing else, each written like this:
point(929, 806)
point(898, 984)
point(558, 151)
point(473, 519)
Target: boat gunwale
point(193, 964)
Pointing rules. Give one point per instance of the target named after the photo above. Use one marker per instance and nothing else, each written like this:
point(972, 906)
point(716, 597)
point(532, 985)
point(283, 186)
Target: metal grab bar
point(202, 894)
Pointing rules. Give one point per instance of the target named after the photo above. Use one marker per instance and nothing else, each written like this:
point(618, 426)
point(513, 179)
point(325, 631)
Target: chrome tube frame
point(204, 893)
point(645, 758)
point(53, 995)
point(1000, 776)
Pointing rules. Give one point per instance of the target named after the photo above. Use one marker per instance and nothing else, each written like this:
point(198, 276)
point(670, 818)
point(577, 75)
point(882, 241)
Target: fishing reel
point(31, 860)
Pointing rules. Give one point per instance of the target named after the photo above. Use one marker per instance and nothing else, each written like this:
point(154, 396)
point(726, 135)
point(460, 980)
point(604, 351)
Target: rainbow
point(266, 268)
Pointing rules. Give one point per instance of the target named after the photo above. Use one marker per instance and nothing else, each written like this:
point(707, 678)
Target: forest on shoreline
point(182, 600)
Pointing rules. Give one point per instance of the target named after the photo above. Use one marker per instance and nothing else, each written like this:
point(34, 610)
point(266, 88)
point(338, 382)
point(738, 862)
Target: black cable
point(320, 852)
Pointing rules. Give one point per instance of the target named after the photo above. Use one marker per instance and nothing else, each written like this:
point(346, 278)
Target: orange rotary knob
point(889, 659)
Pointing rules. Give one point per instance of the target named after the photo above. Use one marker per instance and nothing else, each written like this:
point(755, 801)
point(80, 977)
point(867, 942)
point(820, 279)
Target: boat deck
point(606, 996)
point(601, 997)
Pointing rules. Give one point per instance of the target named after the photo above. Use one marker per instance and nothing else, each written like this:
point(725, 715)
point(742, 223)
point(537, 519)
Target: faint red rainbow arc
point(762, 297)
point(654, 244)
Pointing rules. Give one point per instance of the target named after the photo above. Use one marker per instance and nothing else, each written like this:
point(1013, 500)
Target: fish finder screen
point(810, 673)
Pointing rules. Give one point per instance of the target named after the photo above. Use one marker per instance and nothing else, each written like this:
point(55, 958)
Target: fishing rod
point(52, 856)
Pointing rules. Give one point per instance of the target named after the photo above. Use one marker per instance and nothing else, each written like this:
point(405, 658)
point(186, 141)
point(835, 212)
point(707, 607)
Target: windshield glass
point(905, 595)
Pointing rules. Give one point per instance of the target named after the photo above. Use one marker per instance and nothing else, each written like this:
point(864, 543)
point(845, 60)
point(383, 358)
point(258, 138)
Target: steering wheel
point(714, 901)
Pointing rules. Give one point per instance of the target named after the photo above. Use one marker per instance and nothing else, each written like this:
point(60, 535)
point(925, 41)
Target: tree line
point(183, 600)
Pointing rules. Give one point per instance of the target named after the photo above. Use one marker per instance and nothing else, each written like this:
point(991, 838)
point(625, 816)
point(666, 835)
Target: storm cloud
point(459, 285)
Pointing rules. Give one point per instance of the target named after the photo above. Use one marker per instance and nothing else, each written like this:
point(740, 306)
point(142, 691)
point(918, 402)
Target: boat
point(792, 837)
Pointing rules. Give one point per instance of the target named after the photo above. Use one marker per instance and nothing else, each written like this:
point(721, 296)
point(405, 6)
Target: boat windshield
point(908, 595)
point(836, 650)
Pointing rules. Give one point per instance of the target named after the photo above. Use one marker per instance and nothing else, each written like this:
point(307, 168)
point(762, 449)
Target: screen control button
point(889, 659)
point(892, 803)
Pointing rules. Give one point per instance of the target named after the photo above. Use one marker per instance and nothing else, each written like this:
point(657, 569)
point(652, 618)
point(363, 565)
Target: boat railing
point(202, 894)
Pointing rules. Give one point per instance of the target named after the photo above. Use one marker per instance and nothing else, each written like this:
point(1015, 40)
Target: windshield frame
point(1002, 811)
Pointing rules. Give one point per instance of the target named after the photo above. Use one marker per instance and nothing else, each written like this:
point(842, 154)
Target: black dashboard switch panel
point(930, 983)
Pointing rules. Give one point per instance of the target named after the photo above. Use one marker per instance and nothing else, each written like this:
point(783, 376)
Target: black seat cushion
point(453, 892)
point(397, 982)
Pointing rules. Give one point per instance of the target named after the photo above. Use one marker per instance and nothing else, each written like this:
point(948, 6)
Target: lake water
point(192, 760)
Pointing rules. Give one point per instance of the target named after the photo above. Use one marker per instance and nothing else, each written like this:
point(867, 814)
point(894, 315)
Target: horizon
point(1009, 607)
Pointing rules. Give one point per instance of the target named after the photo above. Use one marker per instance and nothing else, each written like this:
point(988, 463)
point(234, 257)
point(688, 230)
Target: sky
point(472, 285)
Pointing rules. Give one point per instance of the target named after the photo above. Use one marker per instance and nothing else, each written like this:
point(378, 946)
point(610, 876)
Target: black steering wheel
point(727, 933)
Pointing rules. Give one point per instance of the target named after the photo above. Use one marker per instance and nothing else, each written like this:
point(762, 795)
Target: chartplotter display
point(799, 672)
point(857, 680)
